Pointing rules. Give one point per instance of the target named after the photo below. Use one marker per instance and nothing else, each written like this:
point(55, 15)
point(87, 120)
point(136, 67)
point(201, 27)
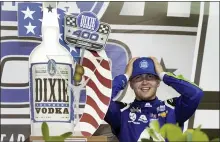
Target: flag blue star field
point(29, 19)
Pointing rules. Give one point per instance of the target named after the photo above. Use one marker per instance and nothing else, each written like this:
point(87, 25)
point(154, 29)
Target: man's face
point(145, 86)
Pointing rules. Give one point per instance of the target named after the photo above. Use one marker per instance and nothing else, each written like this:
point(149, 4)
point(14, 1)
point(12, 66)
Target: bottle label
point(51, 98)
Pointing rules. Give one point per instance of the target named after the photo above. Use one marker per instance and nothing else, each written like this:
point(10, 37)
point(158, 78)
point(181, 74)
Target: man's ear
point(158, 83)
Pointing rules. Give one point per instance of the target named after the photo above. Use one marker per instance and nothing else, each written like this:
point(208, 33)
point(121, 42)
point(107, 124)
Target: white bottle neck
point(50, 35)
point(50, 25)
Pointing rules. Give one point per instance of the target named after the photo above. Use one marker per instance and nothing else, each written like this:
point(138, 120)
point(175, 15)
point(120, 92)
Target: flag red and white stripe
point(98, 91)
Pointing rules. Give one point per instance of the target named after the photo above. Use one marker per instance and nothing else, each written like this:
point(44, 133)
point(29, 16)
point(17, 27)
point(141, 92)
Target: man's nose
point(145, 81)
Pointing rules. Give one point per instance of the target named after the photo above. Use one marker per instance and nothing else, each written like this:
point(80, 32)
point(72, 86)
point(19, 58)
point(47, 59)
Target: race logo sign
point(86, 31)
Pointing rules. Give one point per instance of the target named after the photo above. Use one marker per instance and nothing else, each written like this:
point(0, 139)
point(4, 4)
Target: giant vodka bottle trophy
point(51, 70)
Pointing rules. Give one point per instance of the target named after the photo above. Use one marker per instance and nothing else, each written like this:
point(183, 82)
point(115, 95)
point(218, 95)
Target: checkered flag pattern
point(71, 21)
point(104, 29)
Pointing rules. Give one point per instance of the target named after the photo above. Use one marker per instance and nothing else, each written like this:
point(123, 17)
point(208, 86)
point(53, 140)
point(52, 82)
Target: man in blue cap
point(128, 121)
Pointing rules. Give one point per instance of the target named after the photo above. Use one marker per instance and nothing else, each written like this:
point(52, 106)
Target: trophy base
point(73, 139)
point(77, 133)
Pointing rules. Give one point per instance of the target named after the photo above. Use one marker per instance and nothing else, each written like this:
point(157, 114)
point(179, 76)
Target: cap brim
point(143, 73)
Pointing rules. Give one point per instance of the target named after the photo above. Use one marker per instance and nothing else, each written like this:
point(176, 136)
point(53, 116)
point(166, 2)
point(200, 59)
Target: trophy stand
point(73, 139)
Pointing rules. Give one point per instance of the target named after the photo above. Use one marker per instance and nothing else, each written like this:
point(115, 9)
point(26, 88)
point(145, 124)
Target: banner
point(161, 29)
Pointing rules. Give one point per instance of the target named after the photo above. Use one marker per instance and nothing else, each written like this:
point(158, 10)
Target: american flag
point(98, 91)
point(24, 24)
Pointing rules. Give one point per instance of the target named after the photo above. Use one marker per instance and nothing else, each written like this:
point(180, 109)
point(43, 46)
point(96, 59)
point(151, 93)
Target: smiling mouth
point(145, 89)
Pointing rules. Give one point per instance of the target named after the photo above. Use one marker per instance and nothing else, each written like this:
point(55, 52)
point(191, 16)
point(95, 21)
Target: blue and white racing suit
point(129, 120)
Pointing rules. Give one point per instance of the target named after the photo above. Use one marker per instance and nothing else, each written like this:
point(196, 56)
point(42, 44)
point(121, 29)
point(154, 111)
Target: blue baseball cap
point(143, 65)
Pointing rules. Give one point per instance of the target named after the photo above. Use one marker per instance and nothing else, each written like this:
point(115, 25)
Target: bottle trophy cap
point(50, 25)
point(50, 15)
